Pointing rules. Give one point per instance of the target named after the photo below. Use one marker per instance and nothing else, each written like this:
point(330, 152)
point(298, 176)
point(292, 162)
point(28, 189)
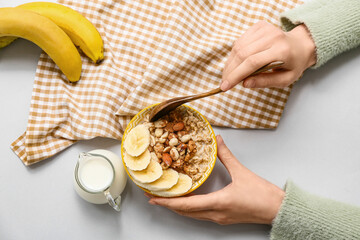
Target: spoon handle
point(267, 67)
point(170, 104)
point(218, 90)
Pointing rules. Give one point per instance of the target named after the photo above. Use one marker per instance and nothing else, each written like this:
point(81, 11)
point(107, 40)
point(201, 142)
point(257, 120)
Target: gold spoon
point(170, 104)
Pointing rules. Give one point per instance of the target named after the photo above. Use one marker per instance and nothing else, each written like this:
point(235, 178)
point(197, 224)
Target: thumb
point(226, 157)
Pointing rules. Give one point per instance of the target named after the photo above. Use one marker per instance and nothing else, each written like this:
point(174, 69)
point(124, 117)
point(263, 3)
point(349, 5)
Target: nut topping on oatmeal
point(160, 123)
point(178, 126)
point(176, 141)
point(166, 159)
point(191, 146)
point(167, 149)
point(159, 147)
point(181, 133)
point(174, 154)
point(169, 127)
point(165, 135)
point(173, 142)
point(159, 132)
point(182, 146)
point(185, 138)
point(172, 135)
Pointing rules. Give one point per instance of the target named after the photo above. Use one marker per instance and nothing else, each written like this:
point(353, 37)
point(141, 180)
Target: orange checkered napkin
point(154, 50)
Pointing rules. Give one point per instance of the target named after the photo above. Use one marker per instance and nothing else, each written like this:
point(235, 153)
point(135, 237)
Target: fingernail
point(250, 83)
point(225, 85)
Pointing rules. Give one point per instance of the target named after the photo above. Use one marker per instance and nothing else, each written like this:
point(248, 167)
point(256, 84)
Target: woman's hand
point(264, 43)
point(247, 199)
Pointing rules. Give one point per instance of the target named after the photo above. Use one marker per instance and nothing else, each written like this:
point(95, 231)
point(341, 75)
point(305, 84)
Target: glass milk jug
point(100, 177)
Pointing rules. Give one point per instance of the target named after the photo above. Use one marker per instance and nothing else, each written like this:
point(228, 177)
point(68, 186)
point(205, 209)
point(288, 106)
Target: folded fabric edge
point(19, 148)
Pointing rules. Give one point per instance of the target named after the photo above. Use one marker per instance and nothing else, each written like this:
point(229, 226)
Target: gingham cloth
point(154, 50)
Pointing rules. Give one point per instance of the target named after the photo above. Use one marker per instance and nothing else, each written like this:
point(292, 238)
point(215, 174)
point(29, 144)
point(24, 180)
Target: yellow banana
point(4, 41)
point(81, 31)
point(44, 33)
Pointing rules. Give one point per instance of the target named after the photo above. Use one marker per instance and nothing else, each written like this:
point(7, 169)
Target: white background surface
point(316, 145)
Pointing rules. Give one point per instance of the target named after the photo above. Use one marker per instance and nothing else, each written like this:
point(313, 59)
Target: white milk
point(96, 174)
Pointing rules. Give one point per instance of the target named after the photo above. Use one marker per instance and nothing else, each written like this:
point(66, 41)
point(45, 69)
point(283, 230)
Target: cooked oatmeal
point(180, 140)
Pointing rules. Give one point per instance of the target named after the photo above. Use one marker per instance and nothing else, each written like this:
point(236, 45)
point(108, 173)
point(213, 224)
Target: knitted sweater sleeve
point(306, 216)
point(333, 24)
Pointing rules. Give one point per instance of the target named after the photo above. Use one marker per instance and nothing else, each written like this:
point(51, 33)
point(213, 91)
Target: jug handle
point(114, 203)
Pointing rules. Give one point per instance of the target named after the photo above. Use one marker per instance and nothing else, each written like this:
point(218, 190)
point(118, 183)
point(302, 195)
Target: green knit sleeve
point(306, 216)
point(333, 24)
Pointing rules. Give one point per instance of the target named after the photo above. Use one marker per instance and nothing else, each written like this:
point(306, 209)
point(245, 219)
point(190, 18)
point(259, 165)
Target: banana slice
point(137, 140)
point(168, 179)
point(181, 187)
point(137, 163)
point(148, 175)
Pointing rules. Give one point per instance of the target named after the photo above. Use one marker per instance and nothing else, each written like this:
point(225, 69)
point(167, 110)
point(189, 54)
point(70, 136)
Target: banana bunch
point(57, 29)
point(148, 173)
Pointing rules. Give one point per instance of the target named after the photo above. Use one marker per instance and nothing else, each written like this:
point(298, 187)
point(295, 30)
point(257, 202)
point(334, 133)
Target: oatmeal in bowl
point(171, 156)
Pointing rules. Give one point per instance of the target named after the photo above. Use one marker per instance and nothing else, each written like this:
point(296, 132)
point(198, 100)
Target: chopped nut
point(178, 164)
point(181, 133)
point(165, 135)
point(187, 169)
point(185, 138)
point(174, 154)
point(173, 142)
point(182, 152)
point(169, 127)
point(164, 166)
point(166, 159)
point(160, 123)
point(161, 140)
point(187, 157)
point(151, 129)
point(159, 148)
point(178, 126)
point(149, 125)
point(167, 149)
point(171, 136)
point(182, 146)
point(191, 146)
point(158, 132)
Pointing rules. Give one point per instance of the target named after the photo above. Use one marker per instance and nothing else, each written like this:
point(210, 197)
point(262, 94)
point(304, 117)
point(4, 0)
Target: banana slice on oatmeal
point(167, 180)
point(181, 187)
point(137, 141)
point(137, 163)
point(150, 174)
